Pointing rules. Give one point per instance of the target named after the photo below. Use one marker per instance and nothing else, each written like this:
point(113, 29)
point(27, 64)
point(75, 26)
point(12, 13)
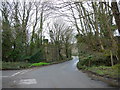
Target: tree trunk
point(111, 55)
point(116, 14)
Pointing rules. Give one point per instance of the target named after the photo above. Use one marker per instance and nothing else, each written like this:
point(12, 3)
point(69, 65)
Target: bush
point(80, 66)
point(37, 57)
point(15, 65)
point(117, 67)
point(86, 60)
point(96, 59)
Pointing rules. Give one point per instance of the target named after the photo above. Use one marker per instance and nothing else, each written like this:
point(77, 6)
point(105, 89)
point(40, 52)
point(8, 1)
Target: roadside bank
point(106, 74)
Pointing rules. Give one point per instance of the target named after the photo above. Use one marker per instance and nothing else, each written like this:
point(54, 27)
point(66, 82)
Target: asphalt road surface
point(63, 75)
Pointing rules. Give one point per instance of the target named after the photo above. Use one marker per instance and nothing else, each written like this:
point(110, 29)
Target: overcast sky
point(53, 15)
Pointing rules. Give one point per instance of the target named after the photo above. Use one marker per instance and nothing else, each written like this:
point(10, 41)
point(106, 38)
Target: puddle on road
point(76, 60)
point(75, 63)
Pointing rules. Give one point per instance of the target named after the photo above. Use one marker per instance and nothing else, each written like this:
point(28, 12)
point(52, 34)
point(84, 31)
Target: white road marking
point(25, 71)
point(15, 74)
point(4, 76)
point(21, 72)
point(28, 81)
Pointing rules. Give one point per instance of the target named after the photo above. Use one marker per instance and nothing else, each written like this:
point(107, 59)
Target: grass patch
point(39, 64)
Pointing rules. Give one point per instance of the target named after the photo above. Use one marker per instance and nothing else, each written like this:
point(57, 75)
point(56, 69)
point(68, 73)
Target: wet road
point(63, 75)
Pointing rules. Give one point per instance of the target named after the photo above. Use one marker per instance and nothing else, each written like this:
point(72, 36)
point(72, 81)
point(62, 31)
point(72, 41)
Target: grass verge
point(25, 65)
point(14, 65)
point(108, 71)
point(20, 65)
point(108, 74)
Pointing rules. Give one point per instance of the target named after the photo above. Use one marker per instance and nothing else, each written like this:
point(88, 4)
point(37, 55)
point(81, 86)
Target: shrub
point(37, 57)
point(15, 65)
point(117, 67)
point(80, 66)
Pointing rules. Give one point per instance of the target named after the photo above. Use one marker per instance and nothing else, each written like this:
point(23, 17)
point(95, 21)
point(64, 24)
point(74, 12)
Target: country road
point(63, 75)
